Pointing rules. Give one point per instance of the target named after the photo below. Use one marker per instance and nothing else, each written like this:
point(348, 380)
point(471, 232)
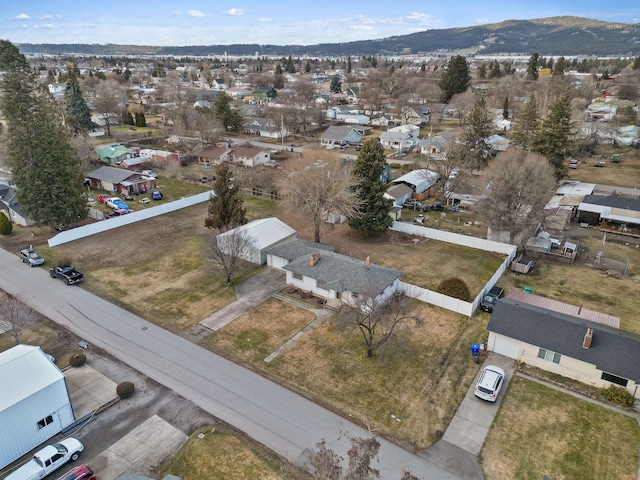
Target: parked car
point(573, 163)
point(104, 198)
point(489, 383)
point(414, 204)
point(615, 158)
point(149, 173)
point(437, 206)
point(156, 195)
point(81, 472)
point(490, 299)
point(117, 204)
point(358, 147)
point(34, 259)
point(49, 459)
point(66, 272)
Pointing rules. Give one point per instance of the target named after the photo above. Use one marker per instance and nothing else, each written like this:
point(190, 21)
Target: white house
point(567, 344)
point(34, 401)
point(403, 137)
point(292, 249)
point(249, 157)
point(333, 276)
point(262, 235)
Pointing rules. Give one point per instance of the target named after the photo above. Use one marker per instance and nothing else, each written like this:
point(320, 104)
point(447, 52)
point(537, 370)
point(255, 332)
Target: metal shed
point(34, 401)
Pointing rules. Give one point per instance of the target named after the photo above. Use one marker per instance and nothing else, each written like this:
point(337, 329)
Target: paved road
point(276, 417)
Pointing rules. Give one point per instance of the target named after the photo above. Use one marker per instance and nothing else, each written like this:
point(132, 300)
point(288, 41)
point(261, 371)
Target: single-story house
point(333, 276)
point(101, 119)
point(383, 120)
point(420, 180)
point(403, 137)
point(264, 94)
point(436, 147)
point(163, 157)
point(120, 180)
point(213, 155)
point(346, 116)
point(134, 163)
point(598, 111)
point(574, 347)
point(497, 144)
point(265, 127)
point(262, 234)
point(34, 401)
point(335, 135)
point(628, 135)
point(218, 84)
point(292, 249)
point(596, 209)
point(10, 207)
point(112, 154)
point(399, 192)
point(249, 157)
point(416, 116)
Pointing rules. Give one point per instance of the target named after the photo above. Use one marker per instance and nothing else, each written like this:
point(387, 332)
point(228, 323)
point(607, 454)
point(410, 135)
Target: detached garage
point(34, 401)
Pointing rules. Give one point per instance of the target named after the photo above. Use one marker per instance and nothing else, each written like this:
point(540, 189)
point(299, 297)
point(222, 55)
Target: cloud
point(481, 21)
point(265, 20)
point(235, 12)
point(198, 13)
point(49, 17)
point(361, 27)
point(177, 14)
point(46, 26)
point(22, 16)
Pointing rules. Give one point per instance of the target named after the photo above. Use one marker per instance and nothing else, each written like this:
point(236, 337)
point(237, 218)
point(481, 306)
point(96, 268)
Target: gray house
point(336, 135)
point(11, 208)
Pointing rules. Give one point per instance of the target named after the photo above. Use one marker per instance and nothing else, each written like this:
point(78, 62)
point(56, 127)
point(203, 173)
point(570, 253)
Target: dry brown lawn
point(623, 174)
point(539, 431)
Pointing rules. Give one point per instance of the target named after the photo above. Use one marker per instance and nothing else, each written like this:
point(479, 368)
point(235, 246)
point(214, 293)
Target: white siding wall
point(22, 421)
point(276, 262)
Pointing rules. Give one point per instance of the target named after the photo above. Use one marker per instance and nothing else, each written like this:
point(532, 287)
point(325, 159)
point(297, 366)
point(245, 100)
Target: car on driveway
point(81, 472)
point(48, 459)
point(489, 383)
point(490, 299)
point(414, 204)
point(34, 259)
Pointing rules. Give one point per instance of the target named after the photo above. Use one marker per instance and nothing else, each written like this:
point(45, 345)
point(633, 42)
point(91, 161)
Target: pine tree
point(533, 66)
point(482, 71)
point(527, 125)
point(46, 170)
point(226, 207)
point(455, 78)
point(307, 67)
point(229, 117)
point(558, 69)
point(78, 116)
point(336, 84)
point(505, 108)
point(349, 64)
point(373, 212)
point(478, 128)
point(555, 138)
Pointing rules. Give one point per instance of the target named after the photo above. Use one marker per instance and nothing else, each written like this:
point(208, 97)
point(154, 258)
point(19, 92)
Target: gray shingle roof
point(338, 133)
point(112, 174)
point(296, 248)
point(341, 273)
point(612, 350)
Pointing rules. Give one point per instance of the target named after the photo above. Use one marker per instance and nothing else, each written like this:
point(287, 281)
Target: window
point(297, 276)
point(354, 295)
point(45, 421)
point(614, 379)
point(549, 356)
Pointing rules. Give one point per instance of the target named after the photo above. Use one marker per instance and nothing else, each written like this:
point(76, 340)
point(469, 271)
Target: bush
point(6, 227)
point(454, 287)
point(77, 359)
point(125, 389)
point(617, 395)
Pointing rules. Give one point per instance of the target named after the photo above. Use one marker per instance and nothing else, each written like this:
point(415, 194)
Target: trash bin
point(527, 290)
point(475, 352)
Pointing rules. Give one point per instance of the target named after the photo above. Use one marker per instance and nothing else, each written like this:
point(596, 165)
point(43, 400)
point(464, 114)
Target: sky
point(211, 22)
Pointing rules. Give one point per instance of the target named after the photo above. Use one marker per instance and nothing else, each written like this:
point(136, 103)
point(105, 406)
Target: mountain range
point(568, 36)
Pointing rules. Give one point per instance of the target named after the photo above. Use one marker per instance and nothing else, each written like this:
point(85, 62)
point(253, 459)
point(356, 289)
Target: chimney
point(314, 258)
point(367, 261)
point(588, 337)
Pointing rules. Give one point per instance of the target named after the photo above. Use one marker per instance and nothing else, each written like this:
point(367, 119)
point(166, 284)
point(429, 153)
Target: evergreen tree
point(226, 207)
point(527, 126)
point(555, 138)
point(558, 69)
point(505, 108)
point(336, 84)
point(46, 170)
point(455, 78)
point(482, 71)
point(6, 226)
point(307, 67)
point(349, 64)
point(373, 209)
point(128, 118)
point(291, 68)
point(478, 128)
point(636, 63)
point(229, 117)
point(533, 67)
point(494, 69)
point(77, 113)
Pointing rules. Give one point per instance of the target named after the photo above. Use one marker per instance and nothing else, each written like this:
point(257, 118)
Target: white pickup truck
point(48, 459)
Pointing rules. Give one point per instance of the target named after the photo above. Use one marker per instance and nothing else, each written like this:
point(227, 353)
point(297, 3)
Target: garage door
point(507, 347)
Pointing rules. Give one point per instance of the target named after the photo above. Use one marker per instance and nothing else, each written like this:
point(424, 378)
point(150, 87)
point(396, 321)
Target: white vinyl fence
point(444, 301)
point(133, 217)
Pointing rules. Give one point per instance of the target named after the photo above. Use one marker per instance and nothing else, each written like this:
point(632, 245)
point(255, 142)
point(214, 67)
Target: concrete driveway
point(469, 428)
point(248, 294)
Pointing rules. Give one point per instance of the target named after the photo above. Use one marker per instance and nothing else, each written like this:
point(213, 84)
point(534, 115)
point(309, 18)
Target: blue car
point(156, 195)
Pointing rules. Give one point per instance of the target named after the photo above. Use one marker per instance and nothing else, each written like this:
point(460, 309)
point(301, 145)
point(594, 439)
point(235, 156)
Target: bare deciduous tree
point(519, 184)
point(361, 454)
point(16, 315)
point(379, 322)
point(325, 462)
point(316, 183)
point(228, 249)
point(108, 96)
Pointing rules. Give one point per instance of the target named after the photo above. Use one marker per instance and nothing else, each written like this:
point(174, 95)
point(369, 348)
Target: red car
point(104, 198)
point(81, 472)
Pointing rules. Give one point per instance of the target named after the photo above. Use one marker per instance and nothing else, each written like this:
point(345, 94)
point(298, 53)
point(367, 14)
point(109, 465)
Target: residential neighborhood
point(298, 253)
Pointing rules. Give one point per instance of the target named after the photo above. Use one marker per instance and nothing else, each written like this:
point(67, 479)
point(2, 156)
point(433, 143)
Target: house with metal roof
point(34, 401)
point(570, 344)
point(419, 180)
point(120, 180)
point(338, 278)
point(112, 154)
point(603, 209)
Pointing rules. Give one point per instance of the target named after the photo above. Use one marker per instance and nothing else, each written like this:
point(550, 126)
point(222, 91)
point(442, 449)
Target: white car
point(48, 459)
point(489, 383)
point(149, 173)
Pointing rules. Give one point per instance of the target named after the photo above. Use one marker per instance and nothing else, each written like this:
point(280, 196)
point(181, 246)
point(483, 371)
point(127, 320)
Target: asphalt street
point(285, 422)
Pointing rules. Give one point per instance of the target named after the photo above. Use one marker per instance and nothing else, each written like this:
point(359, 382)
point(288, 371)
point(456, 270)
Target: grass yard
point(583, 285)
point(539, 431)
point(218, 455)
point(623, 174)
point(422, 387)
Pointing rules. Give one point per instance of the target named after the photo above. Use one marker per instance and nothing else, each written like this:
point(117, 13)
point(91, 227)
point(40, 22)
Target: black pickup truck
point(66, 272)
